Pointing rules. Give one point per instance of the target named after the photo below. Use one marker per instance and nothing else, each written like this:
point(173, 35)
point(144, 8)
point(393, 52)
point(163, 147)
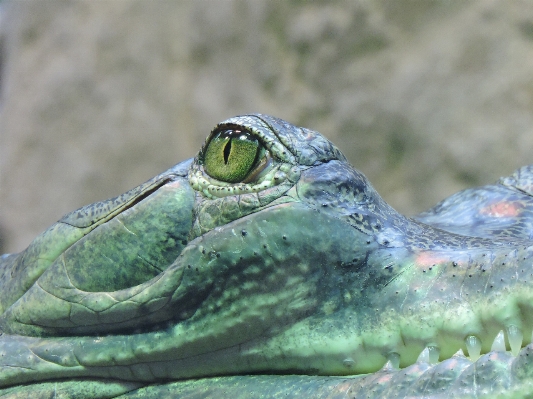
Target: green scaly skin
point(299, 281)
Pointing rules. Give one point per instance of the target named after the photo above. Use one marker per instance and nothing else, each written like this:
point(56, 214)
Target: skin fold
point(268, 265)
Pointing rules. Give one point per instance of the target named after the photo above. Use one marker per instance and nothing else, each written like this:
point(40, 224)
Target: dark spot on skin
point(203, 251)
point(454, 264)
point(264, 246)
point(284, 237)
point(189, 266)
point(218, 255)
point(244, 233)
point(469, 275)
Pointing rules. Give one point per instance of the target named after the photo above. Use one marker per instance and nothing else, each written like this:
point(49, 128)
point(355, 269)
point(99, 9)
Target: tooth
point(430, 354)
point(499, 343)
point(393, 359)
point(473, 346)
point(459, 353)
point(388, 366)
point(424, 356)
point(433, 354)
point(515, 336)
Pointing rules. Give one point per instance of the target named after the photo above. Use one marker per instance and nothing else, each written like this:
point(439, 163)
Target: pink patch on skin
point(502, 209)
point(428, 258)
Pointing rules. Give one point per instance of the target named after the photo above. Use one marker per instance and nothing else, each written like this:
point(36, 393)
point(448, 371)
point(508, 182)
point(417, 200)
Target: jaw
point(473, 303)
point(251, 280)
point(272, 297)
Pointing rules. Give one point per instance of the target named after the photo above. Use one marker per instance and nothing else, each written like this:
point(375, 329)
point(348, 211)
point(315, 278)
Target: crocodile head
point(269, 254)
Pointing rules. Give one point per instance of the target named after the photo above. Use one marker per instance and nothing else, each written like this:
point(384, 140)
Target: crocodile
point(268, 266)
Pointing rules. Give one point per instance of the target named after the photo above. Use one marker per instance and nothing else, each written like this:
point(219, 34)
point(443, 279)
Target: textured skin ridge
point(302, 282)
point(496, 375)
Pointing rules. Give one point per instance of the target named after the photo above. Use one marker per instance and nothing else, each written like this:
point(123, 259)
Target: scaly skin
point(300, 275)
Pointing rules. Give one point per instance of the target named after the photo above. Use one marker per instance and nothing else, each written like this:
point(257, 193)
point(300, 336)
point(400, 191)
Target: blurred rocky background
point(425, 97)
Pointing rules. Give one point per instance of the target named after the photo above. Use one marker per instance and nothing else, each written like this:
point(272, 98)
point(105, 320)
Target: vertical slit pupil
point(227, 150)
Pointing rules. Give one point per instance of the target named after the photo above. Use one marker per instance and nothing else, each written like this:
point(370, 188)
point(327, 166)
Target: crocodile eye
point(231, 154)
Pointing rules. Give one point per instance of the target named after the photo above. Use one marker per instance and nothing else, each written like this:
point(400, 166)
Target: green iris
point(231, 154)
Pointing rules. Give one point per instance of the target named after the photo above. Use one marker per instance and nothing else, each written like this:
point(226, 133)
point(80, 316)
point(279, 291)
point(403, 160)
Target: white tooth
point(393, 359)
point(433, 354)
point(515, 337)
point(424, 356)
point(499, 343)
point(459, 353)
point(473, 346)
point(388, 366)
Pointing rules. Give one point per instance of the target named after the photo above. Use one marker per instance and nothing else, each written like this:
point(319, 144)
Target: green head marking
point(231, 154)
